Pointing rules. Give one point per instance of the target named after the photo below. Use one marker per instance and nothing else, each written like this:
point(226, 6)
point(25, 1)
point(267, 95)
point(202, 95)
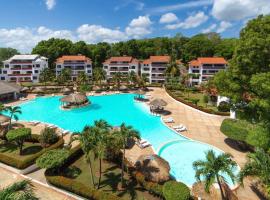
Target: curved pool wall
point(117, 109)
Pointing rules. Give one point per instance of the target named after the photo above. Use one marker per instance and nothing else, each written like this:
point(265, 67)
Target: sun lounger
point(169, 120)
point(144, 145)
point(34, 122)
point(181, 129)
point(64, 132)
point(178, 126)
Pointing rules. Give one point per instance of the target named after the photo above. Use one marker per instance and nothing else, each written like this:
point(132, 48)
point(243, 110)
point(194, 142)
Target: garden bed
point(200, 106)
point(32, 149)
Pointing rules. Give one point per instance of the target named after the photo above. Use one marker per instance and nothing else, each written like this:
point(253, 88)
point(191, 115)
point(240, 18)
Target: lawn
point(111, 175)
point(194, 95)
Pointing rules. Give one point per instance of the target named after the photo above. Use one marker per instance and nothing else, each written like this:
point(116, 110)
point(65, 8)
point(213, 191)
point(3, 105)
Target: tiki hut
point(123, 88)
point(66, 91)
point(154, 168)
point(198, 190)
point(157, 105)
point(38, 90)
point(74, 100)
point(24, 89)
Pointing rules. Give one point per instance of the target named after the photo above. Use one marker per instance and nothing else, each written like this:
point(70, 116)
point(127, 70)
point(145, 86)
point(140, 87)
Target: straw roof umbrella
point(4, 119)
point(198, 190)
point(96, 88)
point(24, 89)
point(75, 98)
point(66, 90)
point(140, 92)
point(123, 87)
point(158, 103)
point(154, 168)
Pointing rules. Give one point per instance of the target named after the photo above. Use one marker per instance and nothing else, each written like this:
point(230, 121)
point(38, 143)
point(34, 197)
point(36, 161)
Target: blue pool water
point(117, 109)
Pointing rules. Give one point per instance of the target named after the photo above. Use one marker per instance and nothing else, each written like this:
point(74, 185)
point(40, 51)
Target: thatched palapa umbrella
point(154, 168)
point(96, 88)
point(4, 119)
point(141, 92)
point(157, 104)
point(66, 90)
point(75, 99)
point(38, 90)
point(123, 88)
point(24, 89)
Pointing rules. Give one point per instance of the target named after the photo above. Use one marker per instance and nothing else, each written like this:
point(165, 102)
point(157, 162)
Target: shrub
point(259, 137)
point(235, 129)
point(53, 159)
point(195, 101)
point(224, 106)
point(176, 190)
point(205, 99)
point(48, 136)
point(19, 136)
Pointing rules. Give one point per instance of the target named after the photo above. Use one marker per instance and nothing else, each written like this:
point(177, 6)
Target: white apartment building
point(76, 63)
point(204, 68)
point(155, 67)
point(123, 64)
point(23, 68)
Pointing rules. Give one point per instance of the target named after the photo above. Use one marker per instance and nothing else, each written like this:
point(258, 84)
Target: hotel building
point(123, 64)
point(204, 68)
point(23, 68)
point(76, 64)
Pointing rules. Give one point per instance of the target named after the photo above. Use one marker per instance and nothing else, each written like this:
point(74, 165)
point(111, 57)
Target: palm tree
point(22, 190)
point(86, 141)
point(117, 77)
point(258, 165)
point(143, 80)
point(99, 74)
point(82, 78)
point(211, 169)
point(172, 69)
point(13, 111)
point(124, 134)
point(132, 77)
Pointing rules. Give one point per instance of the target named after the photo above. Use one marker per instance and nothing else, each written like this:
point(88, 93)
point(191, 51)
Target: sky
point(23, 23)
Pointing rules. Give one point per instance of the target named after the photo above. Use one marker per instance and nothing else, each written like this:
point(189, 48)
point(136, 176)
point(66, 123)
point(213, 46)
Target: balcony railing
point(19, 74)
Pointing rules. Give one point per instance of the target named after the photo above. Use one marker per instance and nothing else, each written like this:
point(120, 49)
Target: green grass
point(12, 150)
point(194, 95)
point(111, 178)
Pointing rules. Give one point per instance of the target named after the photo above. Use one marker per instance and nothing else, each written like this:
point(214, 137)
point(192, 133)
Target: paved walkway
point(42, 192)
point(205, 128)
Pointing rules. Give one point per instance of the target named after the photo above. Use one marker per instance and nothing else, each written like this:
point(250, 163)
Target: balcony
point(158, 71)
point(158, 77)
point(119, 70)
point(19, 74)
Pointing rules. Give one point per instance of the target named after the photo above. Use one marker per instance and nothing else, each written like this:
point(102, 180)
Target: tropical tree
point(22, 190)
point(172, 69)
point(143, 79)
point(117, 78)
point(99, 75)
point(124, 134)
point(2, 107)
point(46, 75)
point(13, 111)
point(82, 78)
point(212, 169)
point(132, 77)
point(65, 75)
point(53, 159)
point(258, 165)
point(19, 136)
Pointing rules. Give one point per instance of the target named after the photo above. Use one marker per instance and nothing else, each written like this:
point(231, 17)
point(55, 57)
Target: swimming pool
point(117, 109)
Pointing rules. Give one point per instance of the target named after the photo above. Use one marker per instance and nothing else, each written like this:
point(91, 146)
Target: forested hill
point(179, 46)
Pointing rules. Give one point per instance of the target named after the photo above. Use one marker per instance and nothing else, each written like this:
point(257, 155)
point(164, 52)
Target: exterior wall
point(123, 68)
point(23, 71)
point(154, 71)
point(76, 67)
point(205, 72)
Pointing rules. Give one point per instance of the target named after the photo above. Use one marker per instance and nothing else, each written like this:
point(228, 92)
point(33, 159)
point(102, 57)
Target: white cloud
point(228, 10)
point(50, 4)
point(139, 27)
point(180, 6)
point(138, 5)
point(209, 29)
point(192, 21)
point(97, 33)
point(223, 26)
point(168, 18)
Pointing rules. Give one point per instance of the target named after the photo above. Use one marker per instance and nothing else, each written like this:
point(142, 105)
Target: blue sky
point(23, 23)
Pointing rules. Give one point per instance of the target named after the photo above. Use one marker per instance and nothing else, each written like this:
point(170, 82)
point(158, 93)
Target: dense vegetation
point(180, 47)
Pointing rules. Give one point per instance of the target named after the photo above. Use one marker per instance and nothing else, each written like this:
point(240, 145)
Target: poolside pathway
point(205, 128)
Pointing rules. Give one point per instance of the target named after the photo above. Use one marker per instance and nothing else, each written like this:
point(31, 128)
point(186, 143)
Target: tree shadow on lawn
point(235, 145)
point(8, 147)
point(30, 150)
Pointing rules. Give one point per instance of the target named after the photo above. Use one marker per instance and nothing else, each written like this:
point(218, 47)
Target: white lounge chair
point(143, 143)
point(181, 129)
point(34, 122)
point(64, 132)
point(178, 126)
point(169, 120)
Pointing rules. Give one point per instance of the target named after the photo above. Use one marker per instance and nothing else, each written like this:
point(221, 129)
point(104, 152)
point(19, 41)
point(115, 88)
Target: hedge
point(196, 107)
point(176, 190)
point(24, 163)
point(74, 186)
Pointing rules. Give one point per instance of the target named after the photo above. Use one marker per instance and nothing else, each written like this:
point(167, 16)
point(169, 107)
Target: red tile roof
point(157, 59)
point(212, 60)
point(194, 63)
point(127, 59)
point(73, 58)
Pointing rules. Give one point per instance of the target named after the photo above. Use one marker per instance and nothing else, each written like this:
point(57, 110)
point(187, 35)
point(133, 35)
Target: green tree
point(46, 75)
point(48, 136)
point(99, 75)
point(65, 76)
point(124, 134)
point(13, 112)
point(258, 165)
point(53, 159)
point(205, 99)
point(22, 190)
point(211, 169)
point(82, 78)
point(19, 136)
point(2, 107)
point(6, 53)
point(132, 77)
point(172, 69)
point(117, 78)
point(246, 82)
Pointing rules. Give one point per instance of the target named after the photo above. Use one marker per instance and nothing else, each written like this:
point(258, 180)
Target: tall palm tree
point(172, 69)
point(13, 111)
point(124, 134)
point(132, 77)
point(211, 169)
point(258, 165)
point(86, 141)
point(82, 78)
point(99, 74)
point(22, 190)
point(117, 78)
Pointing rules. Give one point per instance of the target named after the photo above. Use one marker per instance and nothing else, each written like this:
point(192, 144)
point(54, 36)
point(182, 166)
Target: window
point(7, 66)
point(3, 78)
point(58, 66)
point(29, 72)
point(13, 79)
point(37, 65)
point(88, 66)
point(133, 67)
point(195, 71)
point(4, 72)
point(146, 69)
point(36, 71)
point(34, 78)
point(105, 67)
point(89, 71)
